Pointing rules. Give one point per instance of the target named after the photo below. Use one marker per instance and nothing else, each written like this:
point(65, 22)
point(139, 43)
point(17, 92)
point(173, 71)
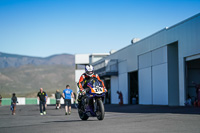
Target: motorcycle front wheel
point(100, 112)
point(82, 115)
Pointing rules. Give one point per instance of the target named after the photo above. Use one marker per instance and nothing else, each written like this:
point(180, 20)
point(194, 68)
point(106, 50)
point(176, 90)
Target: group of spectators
point(67, 95)
point(42, 96)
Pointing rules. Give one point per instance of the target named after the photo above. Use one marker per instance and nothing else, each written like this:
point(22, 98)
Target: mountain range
point(13, 60)
point(24, 75)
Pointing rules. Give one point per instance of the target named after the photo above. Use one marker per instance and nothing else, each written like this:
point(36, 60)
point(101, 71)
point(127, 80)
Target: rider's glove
point(105, 90)
point(81, 89)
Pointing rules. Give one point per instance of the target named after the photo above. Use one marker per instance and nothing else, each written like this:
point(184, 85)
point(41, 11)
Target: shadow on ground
point(66, 121)
point(152, 109)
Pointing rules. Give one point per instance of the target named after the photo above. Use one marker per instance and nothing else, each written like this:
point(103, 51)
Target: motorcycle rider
point(89, 73)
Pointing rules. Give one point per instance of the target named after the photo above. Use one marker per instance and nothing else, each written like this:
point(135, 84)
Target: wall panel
point(114, 89)
point(160, 84)
point(145, 90)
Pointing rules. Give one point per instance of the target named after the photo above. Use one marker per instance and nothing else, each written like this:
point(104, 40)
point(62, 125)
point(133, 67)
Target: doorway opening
point(133, 87)
point(192, 80)
point(108, 94)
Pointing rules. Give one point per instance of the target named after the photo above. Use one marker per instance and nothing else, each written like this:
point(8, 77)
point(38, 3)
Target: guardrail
point(30, 101)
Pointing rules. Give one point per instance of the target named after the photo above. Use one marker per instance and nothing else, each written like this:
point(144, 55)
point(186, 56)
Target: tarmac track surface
point(118, 119)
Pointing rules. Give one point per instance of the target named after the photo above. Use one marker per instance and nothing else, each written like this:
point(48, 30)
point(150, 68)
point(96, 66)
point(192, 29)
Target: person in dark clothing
point(0, 99)
point(58, 97)
point(74, 97)
point(41, 98)
point(13, 103)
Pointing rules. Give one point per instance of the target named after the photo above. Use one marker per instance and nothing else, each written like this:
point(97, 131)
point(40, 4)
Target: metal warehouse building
point(157, 70)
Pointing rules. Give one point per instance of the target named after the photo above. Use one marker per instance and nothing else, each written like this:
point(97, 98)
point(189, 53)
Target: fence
point(29, 101)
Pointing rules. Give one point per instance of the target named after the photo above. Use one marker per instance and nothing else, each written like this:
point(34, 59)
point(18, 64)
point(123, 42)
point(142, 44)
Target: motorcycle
point(92, 101)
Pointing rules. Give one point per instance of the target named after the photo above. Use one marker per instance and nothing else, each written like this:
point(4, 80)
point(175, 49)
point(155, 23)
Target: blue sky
point(46, 27)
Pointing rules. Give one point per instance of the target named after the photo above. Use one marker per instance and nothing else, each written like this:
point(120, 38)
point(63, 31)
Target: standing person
point(0, 99)
point(58, 97)
point(41, 98)
point(67, 94)
point(197, 100)
point(120, 97)
point(13, 103)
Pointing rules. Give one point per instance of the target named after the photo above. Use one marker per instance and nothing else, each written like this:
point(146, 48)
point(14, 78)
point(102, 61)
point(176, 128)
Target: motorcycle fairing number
point(98, 90)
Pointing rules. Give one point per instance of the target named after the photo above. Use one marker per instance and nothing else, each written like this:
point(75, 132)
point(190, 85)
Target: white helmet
point(89, 70)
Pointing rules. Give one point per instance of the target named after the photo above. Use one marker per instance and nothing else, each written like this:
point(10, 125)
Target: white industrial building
point(157, 70)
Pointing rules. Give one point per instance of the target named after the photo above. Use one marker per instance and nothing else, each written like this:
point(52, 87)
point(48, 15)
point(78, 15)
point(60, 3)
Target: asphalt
point(118, 119)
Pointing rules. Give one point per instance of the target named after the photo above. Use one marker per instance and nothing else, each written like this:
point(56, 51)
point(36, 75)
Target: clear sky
point(46, 27)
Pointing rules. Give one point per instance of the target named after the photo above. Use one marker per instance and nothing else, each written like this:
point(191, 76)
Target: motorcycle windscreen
point(95, 86)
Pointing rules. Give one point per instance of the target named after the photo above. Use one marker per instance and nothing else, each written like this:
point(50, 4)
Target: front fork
point(95, 104)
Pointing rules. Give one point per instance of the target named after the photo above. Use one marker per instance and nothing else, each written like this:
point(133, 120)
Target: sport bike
point(91, 101)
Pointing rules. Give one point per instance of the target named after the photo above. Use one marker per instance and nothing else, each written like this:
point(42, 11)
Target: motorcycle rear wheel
point(100, 112)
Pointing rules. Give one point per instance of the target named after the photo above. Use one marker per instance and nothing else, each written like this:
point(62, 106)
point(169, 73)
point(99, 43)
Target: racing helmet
point(89, 70)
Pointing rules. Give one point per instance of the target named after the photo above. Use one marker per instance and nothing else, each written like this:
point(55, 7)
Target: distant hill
point(24, 75)
point(13, 60)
